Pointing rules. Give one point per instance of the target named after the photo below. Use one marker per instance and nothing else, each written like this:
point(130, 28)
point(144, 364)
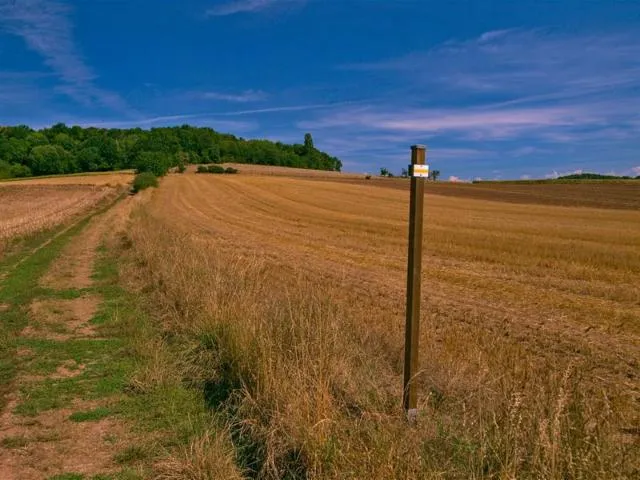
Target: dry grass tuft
point(209, 457)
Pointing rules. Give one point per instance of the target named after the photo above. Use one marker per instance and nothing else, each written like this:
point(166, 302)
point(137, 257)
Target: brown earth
point(56, 319)
point(51, 444)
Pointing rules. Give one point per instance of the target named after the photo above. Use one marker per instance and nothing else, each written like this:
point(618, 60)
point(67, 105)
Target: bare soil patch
point(57, 319)
point(51, 444)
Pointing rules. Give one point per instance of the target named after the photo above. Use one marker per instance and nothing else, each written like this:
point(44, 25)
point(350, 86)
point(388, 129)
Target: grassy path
point(64, 363)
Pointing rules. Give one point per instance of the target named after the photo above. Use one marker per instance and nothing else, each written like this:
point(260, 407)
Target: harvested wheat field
point(27, 209)
point(112, 179)
point(288, 294)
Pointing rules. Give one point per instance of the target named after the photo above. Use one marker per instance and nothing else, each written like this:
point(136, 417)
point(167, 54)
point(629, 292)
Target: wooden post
point(414, 271)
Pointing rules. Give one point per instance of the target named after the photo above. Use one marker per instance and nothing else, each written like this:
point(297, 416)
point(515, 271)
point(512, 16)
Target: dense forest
point(61, 149)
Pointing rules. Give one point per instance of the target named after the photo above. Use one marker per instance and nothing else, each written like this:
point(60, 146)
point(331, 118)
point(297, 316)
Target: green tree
point(50, 160)
point(308, 143)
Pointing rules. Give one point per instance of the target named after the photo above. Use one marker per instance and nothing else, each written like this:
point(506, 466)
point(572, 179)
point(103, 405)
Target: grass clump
point(143, 181)
point(14, 442)
point(90, 415)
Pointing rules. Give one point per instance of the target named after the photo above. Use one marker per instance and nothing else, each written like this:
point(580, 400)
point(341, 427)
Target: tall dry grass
point(306, 381)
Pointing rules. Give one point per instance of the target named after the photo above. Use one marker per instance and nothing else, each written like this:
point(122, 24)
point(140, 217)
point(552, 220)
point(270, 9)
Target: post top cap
point(419, 147)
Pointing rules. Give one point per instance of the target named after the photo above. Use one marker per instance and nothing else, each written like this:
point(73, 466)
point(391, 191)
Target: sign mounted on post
point(419, 171)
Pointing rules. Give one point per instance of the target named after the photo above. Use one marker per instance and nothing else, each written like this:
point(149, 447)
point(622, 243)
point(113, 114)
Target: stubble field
point(529, 344)
point(34, 205)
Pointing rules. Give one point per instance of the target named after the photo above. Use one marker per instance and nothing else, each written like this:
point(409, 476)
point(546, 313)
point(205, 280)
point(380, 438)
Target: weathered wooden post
point(418, 171)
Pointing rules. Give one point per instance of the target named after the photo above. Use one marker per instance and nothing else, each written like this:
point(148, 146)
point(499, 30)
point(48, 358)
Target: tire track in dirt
point(50, 443)
point(74, 268)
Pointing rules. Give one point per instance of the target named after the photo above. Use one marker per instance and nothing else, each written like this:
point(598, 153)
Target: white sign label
point(420, 171)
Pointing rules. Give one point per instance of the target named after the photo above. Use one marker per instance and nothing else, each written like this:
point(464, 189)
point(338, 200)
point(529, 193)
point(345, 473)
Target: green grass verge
point(17, 290)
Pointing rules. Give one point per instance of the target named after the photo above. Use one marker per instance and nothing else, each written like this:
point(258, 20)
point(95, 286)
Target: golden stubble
point(529, 334)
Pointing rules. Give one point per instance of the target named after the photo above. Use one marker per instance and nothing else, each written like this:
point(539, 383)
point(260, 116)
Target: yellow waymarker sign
point(421, 171)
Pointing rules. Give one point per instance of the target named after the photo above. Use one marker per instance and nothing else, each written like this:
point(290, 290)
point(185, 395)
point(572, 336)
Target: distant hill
point(25, 152)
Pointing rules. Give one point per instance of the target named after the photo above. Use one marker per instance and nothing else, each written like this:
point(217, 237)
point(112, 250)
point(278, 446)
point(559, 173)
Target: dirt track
point(49, 442)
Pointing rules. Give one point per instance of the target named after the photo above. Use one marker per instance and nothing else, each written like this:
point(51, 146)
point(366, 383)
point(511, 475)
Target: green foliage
point(217, 169)
point(384, 172)
point(62, 150)
point(90, 415)
point(144, 180)
point(308, 142)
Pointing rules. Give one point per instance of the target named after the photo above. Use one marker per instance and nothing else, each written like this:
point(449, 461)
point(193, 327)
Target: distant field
point(596, 194)
point(98, 178)
point(34, 205)
point(531, 320)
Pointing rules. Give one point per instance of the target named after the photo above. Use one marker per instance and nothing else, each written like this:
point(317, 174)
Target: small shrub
point(216, 169)
point(367, 177)
point(182, 168)
point(231, 170)
point(202, 169)
point(144, 180)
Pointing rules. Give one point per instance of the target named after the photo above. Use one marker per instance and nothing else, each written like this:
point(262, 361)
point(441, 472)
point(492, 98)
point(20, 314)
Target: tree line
point(61, 149)
point(596, 176)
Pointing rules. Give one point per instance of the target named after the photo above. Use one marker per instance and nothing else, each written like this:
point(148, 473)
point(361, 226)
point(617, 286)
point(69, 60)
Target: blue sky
point(495, 88)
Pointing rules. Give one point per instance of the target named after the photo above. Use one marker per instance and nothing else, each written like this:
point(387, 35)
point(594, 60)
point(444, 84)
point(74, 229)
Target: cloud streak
point(46, 29)
point(248, 6)
point(245, 97)
point(523, 62)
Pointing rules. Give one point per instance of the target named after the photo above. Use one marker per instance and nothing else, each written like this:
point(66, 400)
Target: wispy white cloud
point(526, 63)
point(288, 108)
point(248, 6)
point(471, 123)
point(46, 29)
point(244, 97)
